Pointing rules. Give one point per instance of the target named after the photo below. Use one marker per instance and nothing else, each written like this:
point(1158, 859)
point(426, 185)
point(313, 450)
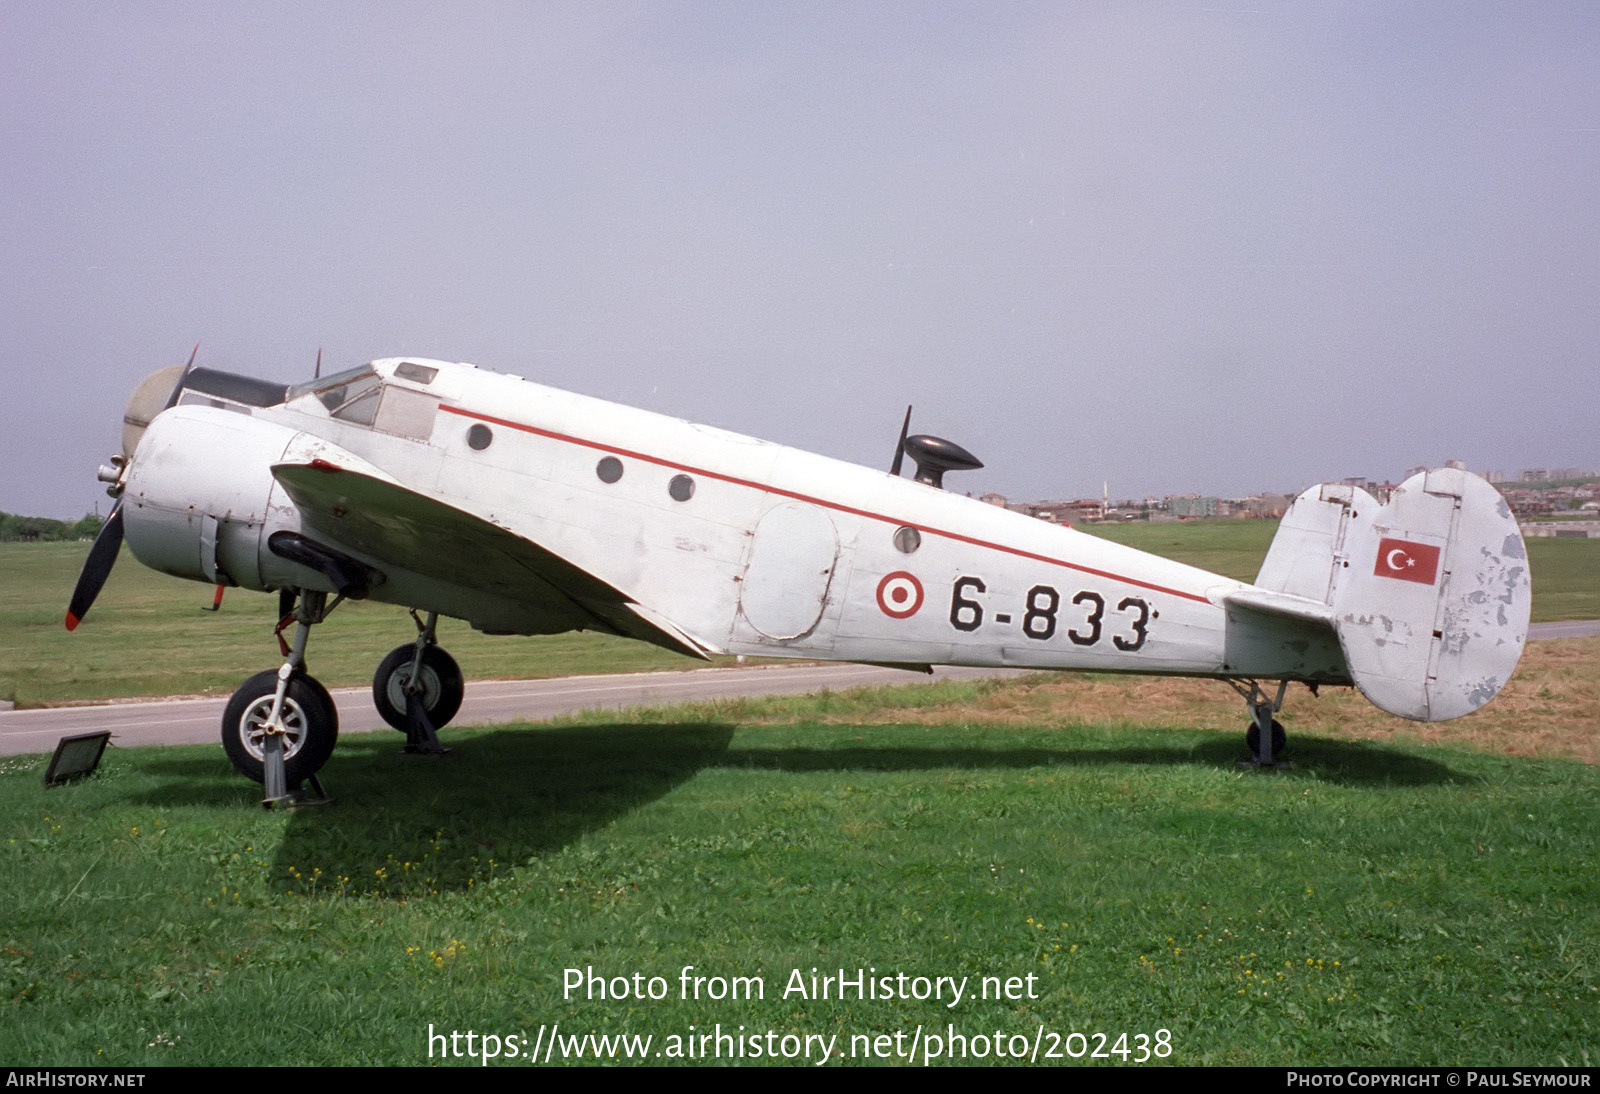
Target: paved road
point(1571, 628)
point(488, 702)
point(493, 702)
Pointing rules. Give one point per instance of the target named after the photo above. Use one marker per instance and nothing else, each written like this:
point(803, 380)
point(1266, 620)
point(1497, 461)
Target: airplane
point(453, 490)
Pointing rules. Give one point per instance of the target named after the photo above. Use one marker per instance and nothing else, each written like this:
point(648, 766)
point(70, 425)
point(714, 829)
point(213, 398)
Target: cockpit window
point(341, 389)
point(361, 407)
point(337, 398)
point(360, 397)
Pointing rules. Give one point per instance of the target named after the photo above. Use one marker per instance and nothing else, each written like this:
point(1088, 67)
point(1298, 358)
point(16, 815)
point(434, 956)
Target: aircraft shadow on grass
point(409, 827)
point(1346, 763)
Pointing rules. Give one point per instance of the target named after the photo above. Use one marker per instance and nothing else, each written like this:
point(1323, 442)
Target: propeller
point(97, 567)
point(103, 555)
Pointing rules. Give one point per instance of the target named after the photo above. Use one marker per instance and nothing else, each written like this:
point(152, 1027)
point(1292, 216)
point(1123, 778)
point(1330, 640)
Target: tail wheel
point(310, 722)
point(442, 685)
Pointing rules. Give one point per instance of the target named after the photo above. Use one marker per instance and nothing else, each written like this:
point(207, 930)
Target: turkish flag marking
point(1408, 561)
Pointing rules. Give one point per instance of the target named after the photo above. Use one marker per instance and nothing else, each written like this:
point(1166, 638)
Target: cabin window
point(479, 437)
point(609, 469)
point(907, 539)
point(681, 488)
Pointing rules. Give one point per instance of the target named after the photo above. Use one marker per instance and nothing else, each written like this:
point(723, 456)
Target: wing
point(375, 516)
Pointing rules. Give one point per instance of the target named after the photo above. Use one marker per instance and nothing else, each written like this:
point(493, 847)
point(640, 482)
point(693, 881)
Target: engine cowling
point(199, 500)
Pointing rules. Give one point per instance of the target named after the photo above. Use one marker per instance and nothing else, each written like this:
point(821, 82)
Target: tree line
point(20, 529)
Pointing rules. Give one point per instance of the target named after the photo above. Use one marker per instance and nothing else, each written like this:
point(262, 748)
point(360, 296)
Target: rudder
point(1431, 604)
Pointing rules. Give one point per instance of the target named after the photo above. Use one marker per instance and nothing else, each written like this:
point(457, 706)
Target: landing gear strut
point(1265, 737)
point(418, 688)
point(280, 727)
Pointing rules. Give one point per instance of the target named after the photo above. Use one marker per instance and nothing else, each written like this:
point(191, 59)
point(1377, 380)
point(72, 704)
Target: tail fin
point(1429, 593)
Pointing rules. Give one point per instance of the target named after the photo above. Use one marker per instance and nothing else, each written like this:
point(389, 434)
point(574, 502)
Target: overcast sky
point(1177, 246)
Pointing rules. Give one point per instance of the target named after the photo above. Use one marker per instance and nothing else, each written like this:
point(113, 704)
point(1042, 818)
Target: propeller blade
point(900, 449)
point(96, 568)
point(177, 389)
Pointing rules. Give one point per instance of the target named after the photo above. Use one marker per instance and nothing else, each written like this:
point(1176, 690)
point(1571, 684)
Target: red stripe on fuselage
point(825, 503)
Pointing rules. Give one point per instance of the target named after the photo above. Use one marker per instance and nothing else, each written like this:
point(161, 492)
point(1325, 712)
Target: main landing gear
point(280, 727)
point(1265, 738)
point(418, 688)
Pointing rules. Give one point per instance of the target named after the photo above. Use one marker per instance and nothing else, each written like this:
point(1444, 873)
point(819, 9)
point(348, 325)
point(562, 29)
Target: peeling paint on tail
point(1434, 649)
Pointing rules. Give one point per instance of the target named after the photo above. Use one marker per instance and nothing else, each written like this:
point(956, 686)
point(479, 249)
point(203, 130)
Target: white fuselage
point(744, 546)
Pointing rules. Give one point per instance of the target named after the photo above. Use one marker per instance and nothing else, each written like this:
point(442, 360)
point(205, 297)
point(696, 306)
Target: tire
point(1252, 739)
point(310, 717)
point(442, 686)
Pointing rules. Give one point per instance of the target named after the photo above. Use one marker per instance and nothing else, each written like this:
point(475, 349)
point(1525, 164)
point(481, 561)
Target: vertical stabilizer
point(1431, 601)
point(1308, 550)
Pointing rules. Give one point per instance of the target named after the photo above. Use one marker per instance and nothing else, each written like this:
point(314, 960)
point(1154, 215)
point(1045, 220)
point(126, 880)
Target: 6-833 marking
point(1085, 623)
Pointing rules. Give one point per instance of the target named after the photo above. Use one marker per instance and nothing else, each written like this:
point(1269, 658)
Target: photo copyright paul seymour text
point(1460, 1078)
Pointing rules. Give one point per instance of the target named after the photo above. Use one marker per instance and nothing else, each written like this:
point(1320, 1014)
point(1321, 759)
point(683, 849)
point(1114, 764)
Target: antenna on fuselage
point(900, 445)
point(932, 455)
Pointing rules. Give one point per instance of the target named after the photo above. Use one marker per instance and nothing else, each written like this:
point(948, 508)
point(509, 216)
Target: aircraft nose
point(155, 393)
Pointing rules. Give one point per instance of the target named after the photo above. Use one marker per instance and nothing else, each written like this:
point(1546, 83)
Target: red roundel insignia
point(899, 595)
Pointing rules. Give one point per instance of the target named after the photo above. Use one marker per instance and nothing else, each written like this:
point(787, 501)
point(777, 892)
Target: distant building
point(1260, 506)
point(1067, 512)
point(1192, 506)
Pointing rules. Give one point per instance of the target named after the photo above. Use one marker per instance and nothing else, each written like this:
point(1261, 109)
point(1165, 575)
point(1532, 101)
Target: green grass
point(1233, 548)
point(148, 636)
point(1381, 904)
point(1566, 578)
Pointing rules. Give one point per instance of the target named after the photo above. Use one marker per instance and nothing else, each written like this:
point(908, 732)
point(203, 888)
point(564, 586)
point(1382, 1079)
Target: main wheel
point(310, 721)
point(1252, 739)
point(442, 685)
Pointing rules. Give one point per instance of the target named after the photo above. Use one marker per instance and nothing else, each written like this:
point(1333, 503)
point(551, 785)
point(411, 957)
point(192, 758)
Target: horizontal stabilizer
point(1272, 603)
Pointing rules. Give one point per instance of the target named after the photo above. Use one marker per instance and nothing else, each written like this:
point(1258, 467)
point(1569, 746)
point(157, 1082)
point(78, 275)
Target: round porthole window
point(609, 469)
point(681, 488)
point(479, 437)
point(907, 539)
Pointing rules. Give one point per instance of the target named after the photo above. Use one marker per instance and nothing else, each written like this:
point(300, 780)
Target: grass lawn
point(1386, 902)
point(1079, 849)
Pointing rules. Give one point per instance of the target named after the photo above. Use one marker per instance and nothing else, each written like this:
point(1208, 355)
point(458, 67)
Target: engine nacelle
point(200, 499)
